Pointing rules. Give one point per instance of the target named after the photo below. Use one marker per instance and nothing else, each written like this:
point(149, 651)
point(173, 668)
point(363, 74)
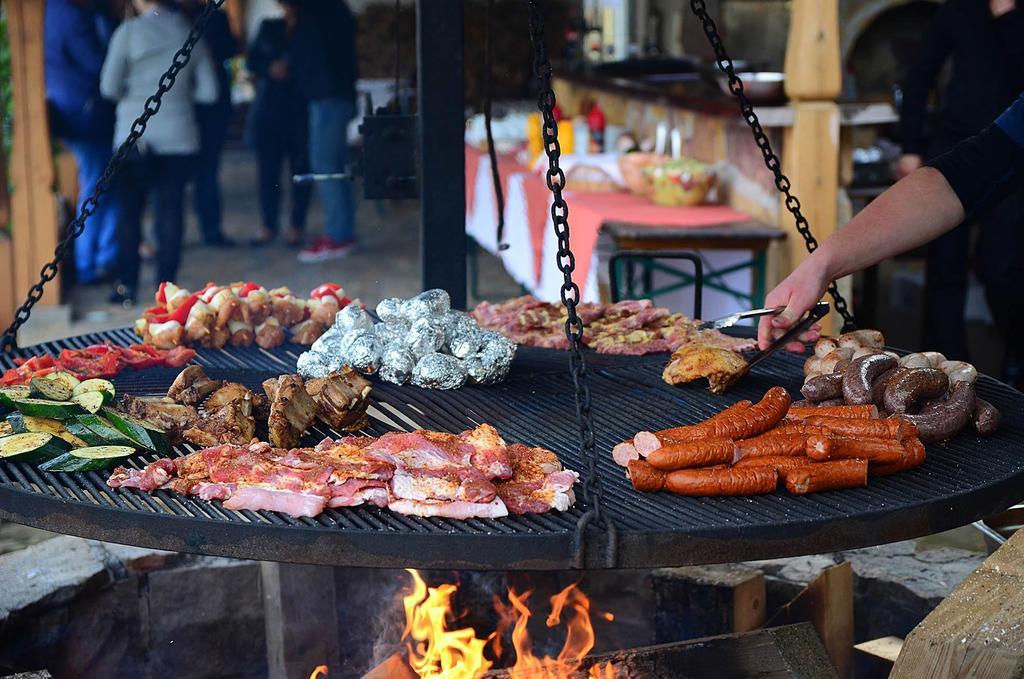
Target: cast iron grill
point(959, 483)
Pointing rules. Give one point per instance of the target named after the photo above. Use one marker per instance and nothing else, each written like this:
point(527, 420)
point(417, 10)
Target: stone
point(49, 574)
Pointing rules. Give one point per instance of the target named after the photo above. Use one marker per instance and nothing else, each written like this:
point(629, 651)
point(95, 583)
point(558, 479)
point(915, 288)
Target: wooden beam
point(33, 204)
point(813, 72)
point(699, 601)
point(300, 618)
point(977, 631)
point(8, 302)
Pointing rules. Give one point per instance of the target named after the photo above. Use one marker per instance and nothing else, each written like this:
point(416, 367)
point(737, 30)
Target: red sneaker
point(324, 249)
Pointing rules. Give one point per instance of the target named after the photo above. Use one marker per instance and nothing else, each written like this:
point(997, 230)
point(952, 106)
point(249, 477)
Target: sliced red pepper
point(247, 288)
point(325, 290)
point(161, 294)
point(181, 313)
point(178, 356)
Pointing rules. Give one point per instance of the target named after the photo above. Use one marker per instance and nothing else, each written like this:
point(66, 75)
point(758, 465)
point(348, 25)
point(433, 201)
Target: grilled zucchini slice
point(31, 447)
point(65, 378)
point(104, 387)
point(144, 433)
point(91, 401)
point(106, 431)
point(8, 395)
point(50, 390)
point(88, 459)
point(42, 425)
point(54, 410)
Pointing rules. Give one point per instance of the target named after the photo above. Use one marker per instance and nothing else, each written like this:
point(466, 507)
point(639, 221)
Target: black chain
point(75, 227)
point(492, 154)
point(570, 292)
point(771, 160)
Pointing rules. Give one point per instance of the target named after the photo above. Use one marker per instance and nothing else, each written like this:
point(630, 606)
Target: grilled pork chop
point(291, 410)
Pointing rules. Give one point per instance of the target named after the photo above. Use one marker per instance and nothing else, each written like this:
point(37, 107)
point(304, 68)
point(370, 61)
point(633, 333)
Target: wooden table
point(748, 235)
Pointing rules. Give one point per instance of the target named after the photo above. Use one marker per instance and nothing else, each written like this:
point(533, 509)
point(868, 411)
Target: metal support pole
point(442, 161)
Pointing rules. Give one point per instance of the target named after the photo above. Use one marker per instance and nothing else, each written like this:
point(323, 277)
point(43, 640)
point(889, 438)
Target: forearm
point(915, 210)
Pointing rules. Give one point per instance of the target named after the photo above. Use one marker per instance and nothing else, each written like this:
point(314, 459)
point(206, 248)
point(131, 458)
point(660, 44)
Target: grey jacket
point(141, 49)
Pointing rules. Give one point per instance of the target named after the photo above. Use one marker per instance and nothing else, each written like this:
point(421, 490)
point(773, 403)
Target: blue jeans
point(213, 123)
point(96, 248)
point(328, 148)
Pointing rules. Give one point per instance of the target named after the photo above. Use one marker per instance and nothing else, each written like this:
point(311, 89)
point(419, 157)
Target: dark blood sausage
point(876, 429)
point(692, 454)
point(645, 477)
point(755, 420)
point(772, 445)
point(907, 390)
point(820, 476)
point(733, 481)
point(861, 374)
point(823, 387)
point(941, 420)
point(986, 418)
point(879, 385)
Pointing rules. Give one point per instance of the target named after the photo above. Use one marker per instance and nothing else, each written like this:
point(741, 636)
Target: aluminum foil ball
point(465, 344)
point(437, 300)
point(329, 342)
point(425, 337)
point(389, 309)
point(438, 371)
point(497, 354)
point(310, 366)
point(457, 323)
point(391, 332)
point(397, 364)
point(364, 354)
point(353, 317)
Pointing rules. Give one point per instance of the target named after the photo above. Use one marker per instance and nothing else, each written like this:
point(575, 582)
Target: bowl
point(761, 87)
point(681, 183)
point(636, 171)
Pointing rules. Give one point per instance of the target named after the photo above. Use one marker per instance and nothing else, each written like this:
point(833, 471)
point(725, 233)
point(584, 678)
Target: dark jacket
point(987, 74)
point(325, 50)
point(74, 45)
point(278, 105)
point(221, 45)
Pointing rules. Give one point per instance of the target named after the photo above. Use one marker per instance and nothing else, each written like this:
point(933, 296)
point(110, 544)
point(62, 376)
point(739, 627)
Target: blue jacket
point(75, 43)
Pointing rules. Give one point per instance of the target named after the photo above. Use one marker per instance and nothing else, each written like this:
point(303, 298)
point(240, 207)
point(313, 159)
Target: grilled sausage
point(862, 338)
point(846, 427)
point(861, 374)
point(941, 420)
point(825, 346)
point(797, 427)
point(644, 477)
point(646, 442)
point(913, 456)
point(823, 387)
point(755, 420)
point(879, 385)
point(704, 483)
point(864, 412)
point(875, 451)
point(959, 371)
point(624, 452)
point(693, 454)
point(918, 360)
point(771, 444)
point(782, 465)
point(986, 418)
point(821, 476)
point(935, 358)
point(905, 392)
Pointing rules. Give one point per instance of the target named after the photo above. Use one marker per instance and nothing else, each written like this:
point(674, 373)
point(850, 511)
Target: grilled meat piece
point(229, 393)
point(539, 483)
point(341, 399)
point(192, 385)
point(694, 361)
point(173, 418)
point(307, 332)
point(270, 334)
point(229, 424)
point(291, 410)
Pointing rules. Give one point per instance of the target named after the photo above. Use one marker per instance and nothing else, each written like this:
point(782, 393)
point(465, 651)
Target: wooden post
point(7, 295)
point(300, 618)
point(977, 631)
point(811, 146)
point(699, 601)
point(33, 204)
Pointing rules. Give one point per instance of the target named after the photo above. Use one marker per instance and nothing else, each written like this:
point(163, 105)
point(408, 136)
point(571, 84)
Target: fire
point(318, 671)
point(436, 652)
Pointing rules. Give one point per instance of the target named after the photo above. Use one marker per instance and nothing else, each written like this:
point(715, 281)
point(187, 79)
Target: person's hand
point(1001, 7)
point(907, 164)
point(278, 69)
point(799, 292)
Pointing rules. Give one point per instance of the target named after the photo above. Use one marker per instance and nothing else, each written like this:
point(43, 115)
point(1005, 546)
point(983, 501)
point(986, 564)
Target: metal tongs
point(816, 313)
point(733, 319)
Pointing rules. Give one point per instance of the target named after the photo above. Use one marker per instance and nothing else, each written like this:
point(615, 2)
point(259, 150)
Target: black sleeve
point(917, 84)
point(982, 169)
point(260, 52)
point(1010, 32)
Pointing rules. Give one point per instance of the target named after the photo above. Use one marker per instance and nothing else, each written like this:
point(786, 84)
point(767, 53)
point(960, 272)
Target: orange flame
point(318, 671)
point(439, 652)
point(602, 671)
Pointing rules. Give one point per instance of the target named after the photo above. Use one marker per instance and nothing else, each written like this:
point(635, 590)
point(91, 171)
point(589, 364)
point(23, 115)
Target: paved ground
point(386, 265)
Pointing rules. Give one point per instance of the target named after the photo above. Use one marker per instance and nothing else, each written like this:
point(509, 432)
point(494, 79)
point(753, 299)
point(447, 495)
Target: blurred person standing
point(76, 33)
point(278, 124)
point(984, 39)
point(324, 64)
point(213, 120)
point(162, 161)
